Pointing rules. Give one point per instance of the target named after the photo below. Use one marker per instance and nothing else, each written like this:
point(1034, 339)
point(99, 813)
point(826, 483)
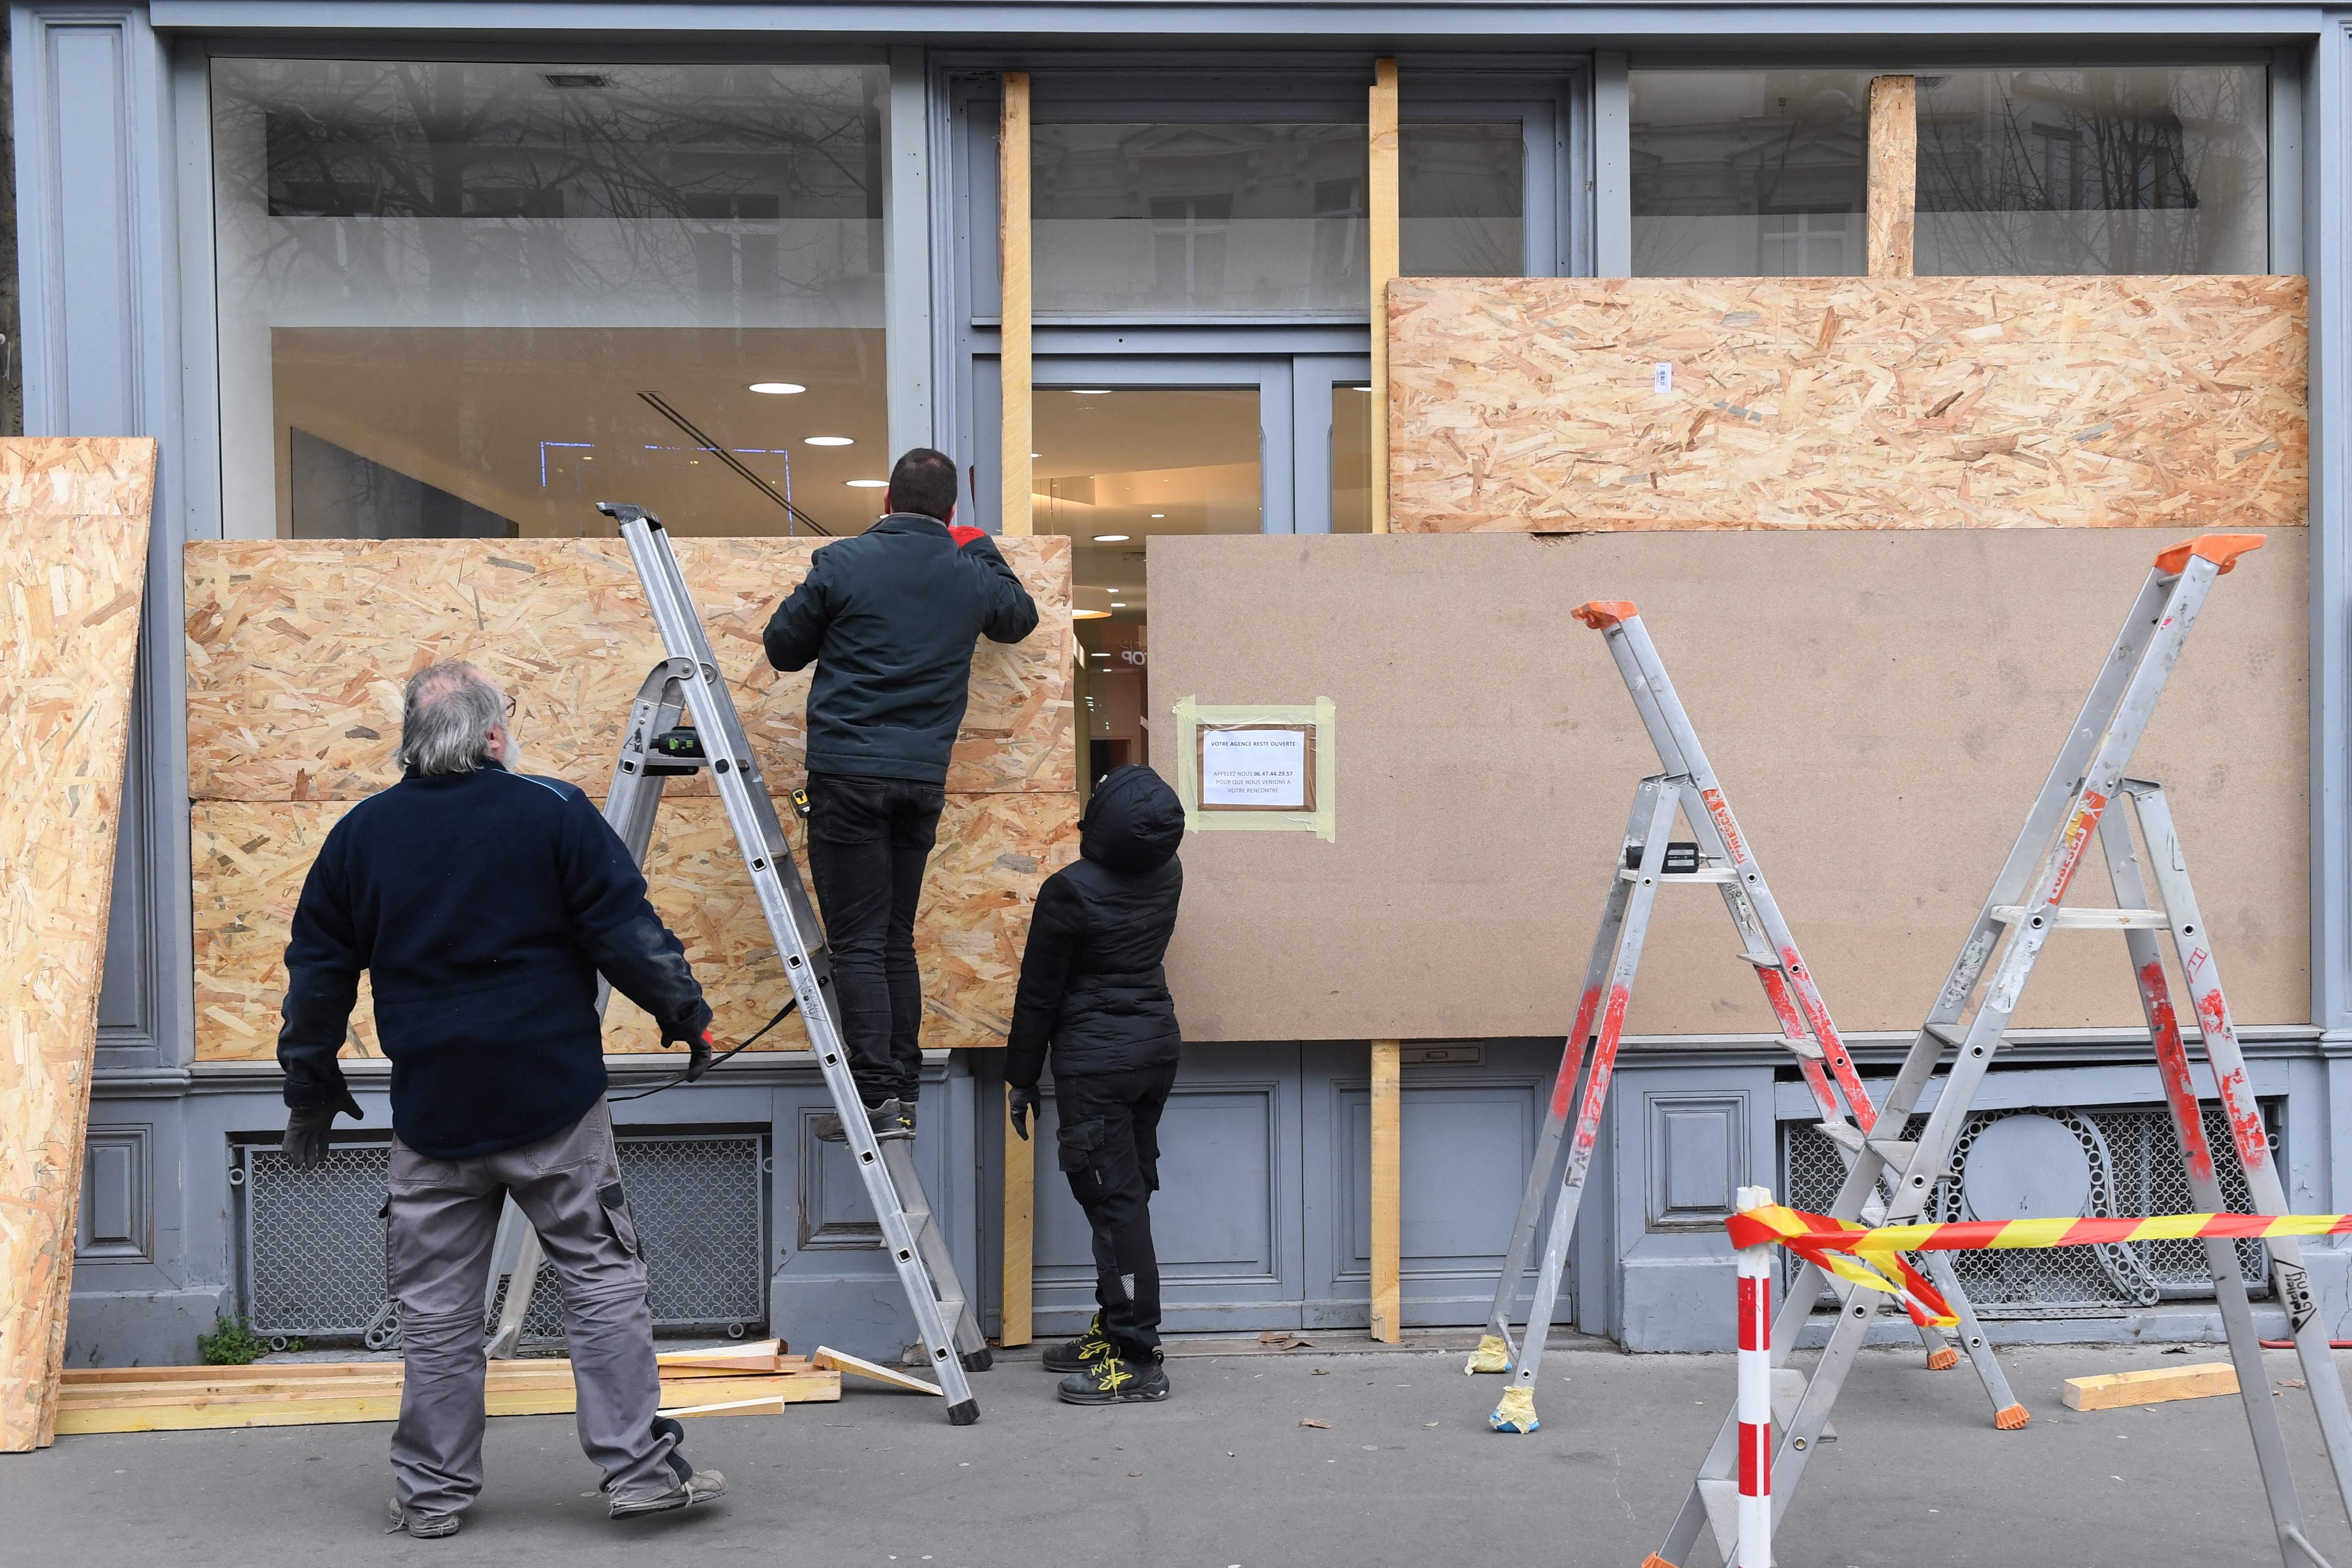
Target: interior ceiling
point(1106, 463)
point(537, 424)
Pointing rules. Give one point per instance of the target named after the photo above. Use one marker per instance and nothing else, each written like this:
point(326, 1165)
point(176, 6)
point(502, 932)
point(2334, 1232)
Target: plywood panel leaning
point(296, 650)
point(1538, 405)
point(74, 516)
point(993, 852)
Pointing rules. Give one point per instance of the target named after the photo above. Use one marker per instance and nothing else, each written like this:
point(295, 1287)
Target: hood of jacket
point(1133, 822)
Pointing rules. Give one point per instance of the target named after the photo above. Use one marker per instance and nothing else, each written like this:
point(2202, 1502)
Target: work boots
point(1115, 1381)
point(890, 1119)
point(1079, 1353)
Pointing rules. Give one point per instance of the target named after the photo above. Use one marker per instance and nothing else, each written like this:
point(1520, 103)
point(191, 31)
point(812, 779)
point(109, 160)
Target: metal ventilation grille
point(2136, 1168)
point(313, 1244)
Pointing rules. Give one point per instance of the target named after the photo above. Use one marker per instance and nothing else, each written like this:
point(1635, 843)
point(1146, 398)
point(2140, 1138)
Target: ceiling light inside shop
point(1110, 538)
point(1156, 515)
point(869, 484)
point(1117, 604)
point(832, 441)
point(1091, 391)
point(776, 389)
point(1088, 603)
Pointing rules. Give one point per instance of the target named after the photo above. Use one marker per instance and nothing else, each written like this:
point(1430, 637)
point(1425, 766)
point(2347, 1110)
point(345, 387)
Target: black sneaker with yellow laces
point(1079, 1353)
point(1116, 1381)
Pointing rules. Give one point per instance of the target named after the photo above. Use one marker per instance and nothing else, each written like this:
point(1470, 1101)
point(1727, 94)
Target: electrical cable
point(782, 1013)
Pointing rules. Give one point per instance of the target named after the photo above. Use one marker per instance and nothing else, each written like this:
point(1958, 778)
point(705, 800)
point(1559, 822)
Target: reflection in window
point(467, 299)
point(1200, 219)
point(1351, 459)
point(1461, 200)
point(2144, 170)
point(1748, 174)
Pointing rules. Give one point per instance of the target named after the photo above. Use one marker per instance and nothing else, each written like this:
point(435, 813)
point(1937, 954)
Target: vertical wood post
point(1388, 1191)
point(1013, 367)
point(1380, 210)
point(1013, 268)
point(1894, 185)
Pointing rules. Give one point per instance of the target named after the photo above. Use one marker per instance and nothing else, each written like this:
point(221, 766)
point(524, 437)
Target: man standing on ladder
point(890, 619)
point(484, 902)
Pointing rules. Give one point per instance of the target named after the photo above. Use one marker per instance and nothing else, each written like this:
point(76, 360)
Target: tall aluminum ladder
point(1724, 858)
point(688, 683)
point(2026, 904)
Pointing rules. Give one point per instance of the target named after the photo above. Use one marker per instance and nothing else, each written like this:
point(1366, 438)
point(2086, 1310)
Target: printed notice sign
point(1257, 767)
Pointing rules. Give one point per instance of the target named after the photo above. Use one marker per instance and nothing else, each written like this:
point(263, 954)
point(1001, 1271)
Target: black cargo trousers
point(1109, 1132)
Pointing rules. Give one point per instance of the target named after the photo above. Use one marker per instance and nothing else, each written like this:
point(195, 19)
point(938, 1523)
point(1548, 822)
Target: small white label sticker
point(1661, 376)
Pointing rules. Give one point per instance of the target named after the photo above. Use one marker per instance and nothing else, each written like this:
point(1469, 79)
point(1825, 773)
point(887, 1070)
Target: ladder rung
point(1710, 874)
point(2067, 919)
point(1844, 1134)
point(1949, 1033)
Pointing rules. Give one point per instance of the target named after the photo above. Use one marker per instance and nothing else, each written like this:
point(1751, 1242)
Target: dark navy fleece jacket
point(483, 906)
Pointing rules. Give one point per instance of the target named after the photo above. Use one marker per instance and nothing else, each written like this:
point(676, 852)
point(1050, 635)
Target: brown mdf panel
point(73, 563)
point(1533, 404)
point(994, 851)
point(1881, 707)
point(298, 650)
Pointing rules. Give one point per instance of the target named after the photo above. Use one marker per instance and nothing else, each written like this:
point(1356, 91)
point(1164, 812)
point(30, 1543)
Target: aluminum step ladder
point(2026, 904)
point(1721, 856)
point(688, 683)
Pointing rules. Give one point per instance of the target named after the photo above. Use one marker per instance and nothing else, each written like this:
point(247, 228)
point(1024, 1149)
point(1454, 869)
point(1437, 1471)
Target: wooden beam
point(841, 1361)
point(1020, 1226)
point(1012, 268)
point(73, 557)
point(1013, 367)
point(1382, 207)
point(2155, 1385)
point(1388, 1191)
point(1893, 185)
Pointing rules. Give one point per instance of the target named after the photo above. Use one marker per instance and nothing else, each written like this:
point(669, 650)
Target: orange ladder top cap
point(2222, 550)
point(1603, 613)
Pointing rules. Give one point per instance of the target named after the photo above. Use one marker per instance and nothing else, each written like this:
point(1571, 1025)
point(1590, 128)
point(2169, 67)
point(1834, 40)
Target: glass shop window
point(1208, 219)
point(1748, 174)
point(1461, 200)
point(470, 300)
point(2139, 170)
point(2021, 171)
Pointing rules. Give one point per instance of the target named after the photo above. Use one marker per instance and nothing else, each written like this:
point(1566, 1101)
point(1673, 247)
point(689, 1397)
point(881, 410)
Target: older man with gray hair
point(484, 902)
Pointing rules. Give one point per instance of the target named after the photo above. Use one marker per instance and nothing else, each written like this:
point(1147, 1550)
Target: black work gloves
point(1023, 1103)
point(306, 1132)
point(694, 1033)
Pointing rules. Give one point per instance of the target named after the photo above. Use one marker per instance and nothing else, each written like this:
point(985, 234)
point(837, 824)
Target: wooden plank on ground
point(1536, 405)
point(764, 1355)
point(74, 516)
point(1017, 1254)
point(2153, 1386)
point(1893, 198)
point(842, 1360)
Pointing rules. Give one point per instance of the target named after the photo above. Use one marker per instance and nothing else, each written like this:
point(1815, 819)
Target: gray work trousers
point(443, 1224)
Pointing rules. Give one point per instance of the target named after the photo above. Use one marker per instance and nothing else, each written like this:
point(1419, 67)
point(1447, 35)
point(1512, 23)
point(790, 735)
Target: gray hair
point(447, 716)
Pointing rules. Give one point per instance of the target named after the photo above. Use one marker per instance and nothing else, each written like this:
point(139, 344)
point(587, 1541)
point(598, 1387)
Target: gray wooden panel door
point(1468, 1136)
point(1227, 1221)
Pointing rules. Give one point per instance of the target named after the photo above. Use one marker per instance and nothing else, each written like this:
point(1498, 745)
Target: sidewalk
point(1224, 1475)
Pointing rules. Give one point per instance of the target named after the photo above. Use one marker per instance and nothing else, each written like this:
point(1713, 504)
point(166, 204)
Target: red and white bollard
point(1755, 1549)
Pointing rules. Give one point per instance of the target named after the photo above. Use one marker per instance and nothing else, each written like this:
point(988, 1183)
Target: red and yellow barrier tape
point(1873, 1258)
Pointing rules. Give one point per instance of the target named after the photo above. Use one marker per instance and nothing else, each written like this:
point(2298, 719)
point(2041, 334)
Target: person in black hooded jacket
point(1093, 992)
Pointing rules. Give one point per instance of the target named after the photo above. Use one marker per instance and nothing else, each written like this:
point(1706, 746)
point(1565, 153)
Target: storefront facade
point(437, 271)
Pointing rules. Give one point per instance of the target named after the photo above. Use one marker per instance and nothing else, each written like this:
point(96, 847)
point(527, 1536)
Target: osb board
point(297, 650)
point(1881, 707)
point(1529, 405)
point(73, 564)
point(994, 851)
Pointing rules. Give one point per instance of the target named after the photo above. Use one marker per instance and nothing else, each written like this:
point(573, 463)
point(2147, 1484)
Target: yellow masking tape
point(1322, 822)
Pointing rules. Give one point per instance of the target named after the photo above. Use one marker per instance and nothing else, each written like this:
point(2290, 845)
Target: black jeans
point(869, 841)
point(1108, 1129)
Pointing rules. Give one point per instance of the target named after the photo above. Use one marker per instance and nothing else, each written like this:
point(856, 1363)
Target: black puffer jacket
point(890, 618)
point(1091, 984)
